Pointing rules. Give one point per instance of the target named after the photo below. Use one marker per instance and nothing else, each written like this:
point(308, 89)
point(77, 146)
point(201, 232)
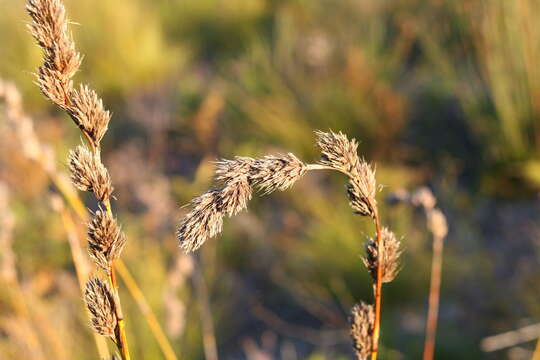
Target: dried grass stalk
point(49, 27)
point(272, 173)
point(361, 321)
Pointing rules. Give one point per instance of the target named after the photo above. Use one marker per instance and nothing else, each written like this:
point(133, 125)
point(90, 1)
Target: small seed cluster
point(49, 27)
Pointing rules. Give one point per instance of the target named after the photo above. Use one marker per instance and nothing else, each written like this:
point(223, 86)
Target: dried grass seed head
point(88, 112)
point(273, 172)
point(89, 174)
point(391, 252)
point(204, 221)
point(340, 153)
point(105, 239)
point(100, 303)
point(49, 26)
point(337, 151)
point(362, 319)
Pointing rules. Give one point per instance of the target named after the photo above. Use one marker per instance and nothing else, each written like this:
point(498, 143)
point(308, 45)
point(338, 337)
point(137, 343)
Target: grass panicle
point(49, 27)
point(271, 173)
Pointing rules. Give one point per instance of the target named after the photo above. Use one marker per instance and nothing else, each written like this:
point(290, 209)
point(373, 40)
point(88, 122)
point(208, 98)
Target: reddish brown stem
point(378, 292)
point(434, 295)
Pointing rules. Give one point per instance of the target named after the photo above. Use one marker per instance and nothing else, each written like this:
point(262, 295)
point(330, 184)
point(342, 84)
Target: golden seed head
point(105, 239)
point(88, 112)
point(390, 256)
point(268, 174)
point(100, 303)
point(362, 319)
point(204, 221)
point(340, 153)
point(89, 174)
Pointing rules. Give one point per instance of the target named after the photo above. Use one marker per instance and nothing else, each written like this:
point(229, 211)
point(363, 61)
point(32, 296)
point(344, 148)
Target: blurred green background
point(441, 93)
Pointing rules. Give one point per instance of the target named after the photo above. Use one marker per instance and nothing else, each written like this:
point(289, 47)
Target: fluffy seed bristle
point(361, 321)
point(268, 174)
point(105, 240)
point(100, 303)
point(88, 173)
point(390, 256)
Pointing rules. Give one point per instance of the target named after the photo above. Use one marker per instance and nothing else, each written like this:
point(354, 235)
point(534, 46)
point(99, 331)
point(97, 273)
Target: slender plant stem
point(536, 355)
point(209, 339)
point(120, 332)
point(434, 296)
point(377, 291)
point(139, 298)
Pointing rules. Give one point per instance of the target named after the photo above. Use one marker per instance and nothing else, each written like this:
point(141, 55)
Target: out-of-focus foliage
point(438, 92)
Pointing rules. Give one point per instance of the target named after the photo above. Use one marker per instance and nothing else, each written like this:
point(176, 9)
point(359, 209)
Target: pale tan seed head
point(268, 174)
point(87, 110)
point(204, 221)
point(89, 174)
point(340, 153)
point(362, 319)
point(49, 26)
point(100, 303)
point(337, 151)
point(391, 252)
point(105, 239)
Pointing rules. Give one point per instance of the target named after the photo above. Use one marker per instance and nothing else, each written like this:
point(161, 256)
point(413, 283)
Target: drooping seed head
point(390, 256)
point(340, 153)
point(362, 319)
point(88, 173)
point(105, 239)
point(204, 221)
point(100, 303)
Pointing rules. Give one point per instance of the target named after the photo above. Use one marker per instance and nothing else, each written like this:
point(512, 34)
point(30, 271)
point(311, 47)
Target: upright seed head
point(88, 112)
point(88, 173)
point(105, 239)
point(390, 256)
point(361, 320)
point(100, 303)
point(49, 27)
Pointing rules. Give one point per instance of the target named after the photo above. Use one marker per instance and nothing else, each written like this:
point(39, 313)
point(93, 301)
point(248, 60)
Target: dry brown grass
point(49, 27)
point(238, 177)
